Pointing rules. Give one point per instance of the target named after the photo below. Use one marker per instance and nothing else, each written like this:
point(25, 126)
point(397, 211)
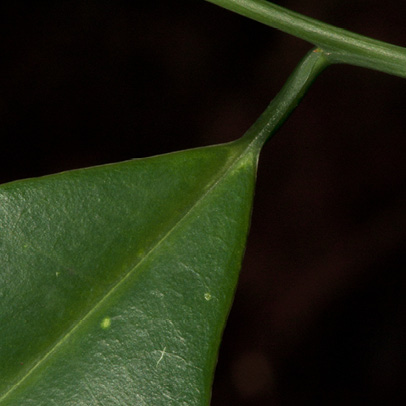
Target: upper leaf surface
point(115, 281)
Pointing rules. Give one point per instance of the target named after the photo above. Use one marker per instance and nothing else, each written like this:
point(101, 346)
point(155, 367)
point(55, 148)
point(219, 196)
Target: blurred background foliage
point(319, 315)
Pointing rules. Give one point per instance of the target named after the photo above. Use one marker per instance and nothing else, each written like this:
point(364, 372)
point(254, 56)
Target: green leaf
point(116, 281)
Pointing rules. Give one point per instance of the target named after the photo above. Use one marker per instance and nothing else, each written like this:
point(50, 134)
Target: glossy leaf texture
point(116, 281)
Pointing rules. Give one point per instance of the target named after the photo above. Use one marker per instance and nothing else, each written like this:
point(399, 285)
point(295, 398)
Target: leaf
point(116, 281)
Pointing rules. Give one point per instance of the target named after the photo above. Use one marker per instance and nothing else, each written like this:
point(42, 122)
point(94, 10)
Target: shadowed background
point(319, 315)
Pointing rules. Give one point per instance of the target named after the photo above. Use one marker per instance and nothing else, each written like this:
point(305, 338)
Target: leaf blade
point(237, 163)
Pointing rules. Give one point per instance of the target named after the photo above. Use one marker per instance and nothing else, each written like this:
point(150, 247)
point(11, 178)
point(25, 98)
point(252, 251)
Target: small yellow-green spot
point(106, 323)
point(57, 274)
point(207, 296)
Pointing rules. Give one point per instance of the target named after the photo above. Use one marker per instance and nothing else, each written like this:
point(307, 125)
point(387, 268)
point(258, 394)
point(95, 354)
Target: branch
point(340, 46)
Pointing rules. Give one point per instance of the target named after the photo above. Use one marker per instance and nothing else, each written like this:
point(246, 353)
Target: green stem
point(341, 46)
point(287, 99)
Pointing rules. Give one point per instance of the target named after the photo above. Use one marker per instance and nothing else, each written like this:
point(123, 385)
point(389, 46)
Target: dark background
point(319, 315)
